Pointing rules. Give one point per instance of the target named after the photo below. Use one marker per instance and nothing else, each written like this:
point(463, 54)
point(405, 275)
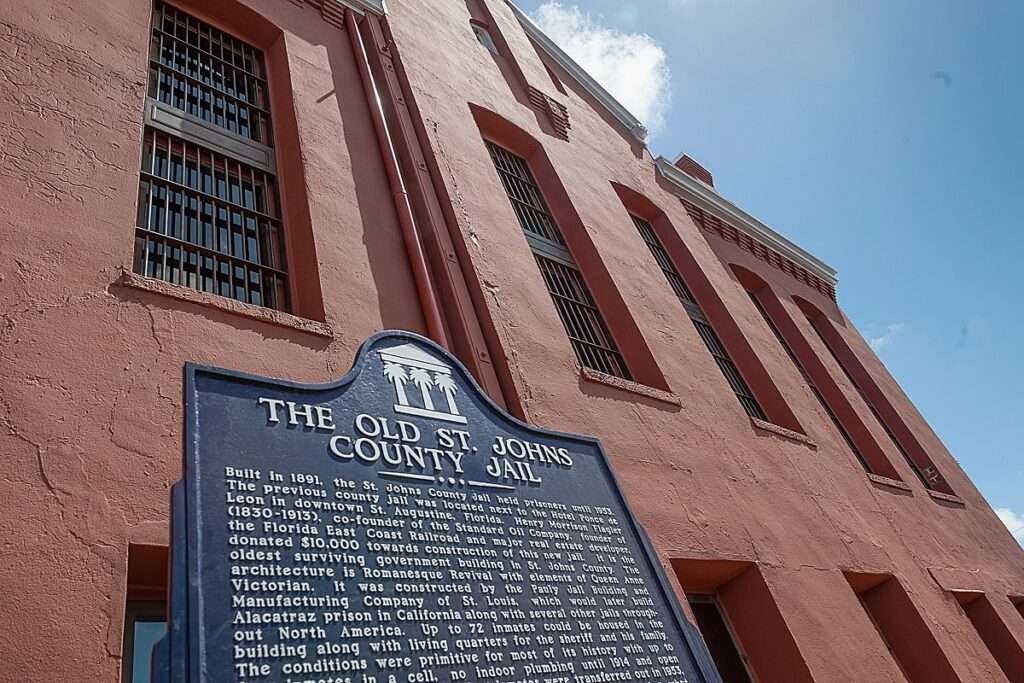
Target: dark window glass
point(145, 623)
point(588, 333)
point(810, 383)
point(206, 220)
point(719, 639)
point(525, 195)
point(704, 329)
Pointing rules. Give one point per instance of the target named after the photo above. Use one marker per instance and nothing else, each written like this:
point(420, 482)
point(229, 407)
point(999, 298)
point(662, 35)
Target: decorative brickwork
point(331, 11)
point(556, 112)
point(713, 224)
point(690, 167)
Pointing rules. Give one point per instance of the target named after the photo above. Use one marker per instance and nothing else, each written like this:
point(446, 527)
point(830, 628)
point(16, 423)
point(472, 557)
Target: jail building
point(262, 184)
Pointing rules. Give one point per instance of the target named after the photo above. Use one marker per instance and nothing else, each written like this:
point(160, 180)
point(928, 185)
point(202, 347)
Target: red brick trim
point(715, 225)
point(789, 434)
point(890, 482)
point(266, 315)
point(631, 386)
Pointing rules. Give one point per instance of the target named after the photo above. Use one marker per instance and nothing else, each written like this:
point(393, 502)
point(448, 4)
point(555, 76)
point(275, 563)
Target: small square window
point(484, 37)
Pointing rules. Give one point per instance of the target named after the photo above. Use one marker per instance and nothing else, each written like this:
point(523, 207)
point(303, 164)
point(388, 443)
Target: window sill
point(890, 482)
point(631, 386)
point(251, 311)
point(787, 434)
point(947, 498)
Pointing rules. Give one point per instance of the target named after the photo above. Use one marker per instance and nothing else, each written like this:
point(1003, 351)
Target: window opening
point(588, 333)
point(929, 475)
point(994, 633)
point(902, 628)
point(483, 36)
point(704, 329)
point(809, 382)
point(206, 219)
point(209, 74)
point(722, 644)
point(145, 623)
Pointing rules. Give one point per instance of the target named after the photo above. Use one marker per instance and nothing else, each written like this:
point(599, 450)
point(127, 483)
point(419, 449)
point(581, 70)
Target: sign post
point(398, 527)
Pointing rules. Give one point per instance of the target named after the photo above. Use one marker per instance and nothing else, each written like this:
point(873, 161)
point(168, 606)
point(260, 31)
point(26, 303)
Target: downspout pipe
point(406, 219)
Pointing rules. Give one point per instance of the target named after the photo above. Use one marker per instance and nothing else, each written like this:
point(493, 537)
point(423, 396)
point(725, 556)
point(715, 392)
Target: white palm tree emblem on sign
point(421, 378)
point(428, 370)
point(396, 373)
point(446, 384)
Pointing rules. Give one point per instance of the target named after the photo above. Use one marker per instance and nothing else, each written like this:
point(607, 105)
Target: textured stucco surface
point(90, 396)
point(704, 482)
point(90, 368)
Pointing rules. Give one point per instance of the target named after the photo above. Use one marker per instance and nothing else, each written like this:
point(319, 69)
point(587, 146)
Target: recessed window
point(588, 333)
point(483, 36)
point(925, 471)
point(209, 216)
point(809, 382)
point(902, 628)
point(696, 313)
point(145, 624)
point(719, 638)
point(994, 632)
point(740, 621)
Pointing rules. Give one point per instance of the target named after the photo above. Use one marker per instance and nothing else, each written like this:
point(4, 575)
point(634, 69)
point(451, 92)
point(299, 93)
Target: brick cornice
point(714, 213)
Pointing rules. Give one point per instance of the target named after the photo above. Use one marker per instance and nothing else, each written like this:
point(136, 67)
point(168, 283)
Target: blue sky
point(884, 137)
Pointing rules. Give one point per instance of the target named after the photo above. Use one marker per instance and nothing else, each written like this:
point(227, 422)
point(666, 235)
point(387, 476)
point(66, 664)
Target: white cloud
point(892, 332)
point(1013, 522)
point(633, 67)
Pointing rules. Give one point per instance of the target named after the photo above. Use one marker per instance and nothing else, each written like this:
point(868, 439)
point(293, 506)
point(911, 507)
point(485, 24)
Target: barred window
point(208, 74)
point(704, 329)
point(928, 474)
point(584, 324)
point(209, 214)
point(809, 382)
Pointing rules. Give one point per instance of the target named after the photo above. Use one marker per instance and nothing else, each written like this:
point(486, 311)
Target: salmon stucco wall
point(91, 356)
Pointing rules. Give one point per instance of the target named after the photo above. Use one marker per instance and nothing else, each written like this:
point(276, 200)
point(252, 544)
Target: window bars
point(208, 220)
point(809, 382)
point(588, 333)
point(928, 473)
point(707, 333)
point(208, 74)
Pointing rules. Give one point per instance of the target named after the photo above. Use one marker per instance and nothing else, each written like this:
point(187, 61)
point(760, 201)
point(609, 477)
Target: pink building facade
point(215, 182)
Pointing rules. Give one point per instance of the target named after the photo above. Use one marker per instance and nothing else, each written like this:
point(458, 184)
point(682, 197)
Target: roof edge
point(632, 123)
point(710, 199)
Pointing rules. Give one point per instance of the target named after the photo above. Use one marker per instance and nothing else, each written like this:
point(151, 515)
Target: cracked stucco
point(91, 364)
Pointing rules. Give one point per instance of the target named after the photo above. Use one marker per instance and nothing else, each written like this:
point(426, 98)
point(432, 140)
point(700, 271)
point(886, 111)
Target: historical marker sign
point(398, 527)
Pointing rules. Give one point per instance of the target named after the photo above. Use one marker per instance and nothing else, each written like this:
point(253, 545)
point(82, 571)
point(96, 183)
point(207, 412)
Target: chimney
point(691, 168)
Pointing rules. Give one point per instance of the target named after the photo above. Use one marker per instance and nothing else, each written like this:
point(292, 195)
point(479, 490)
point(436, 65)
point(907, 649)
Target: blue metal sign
point(398, 527)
